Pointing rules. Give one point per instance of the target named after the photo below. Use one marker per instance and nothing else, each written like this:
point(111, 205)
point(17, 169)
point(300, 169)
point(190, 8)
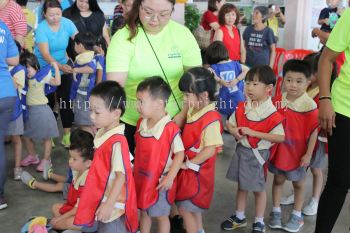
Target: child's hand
point(305, 160)
point(326, 21)
point(104, 212)
point(247, 131)
point(234, 82)
point(234, 130)
point(183, 166)
point(165, 184)
point(66, 69)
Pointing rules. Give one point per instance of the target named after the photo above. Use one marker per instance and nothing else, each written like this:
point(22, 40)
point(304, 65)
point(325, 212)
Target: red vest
point(298, 128)
point(233, 44)
point(151, 156)
point(197, 186)
point(96, 183)
point(264, 126)
point(72, 198)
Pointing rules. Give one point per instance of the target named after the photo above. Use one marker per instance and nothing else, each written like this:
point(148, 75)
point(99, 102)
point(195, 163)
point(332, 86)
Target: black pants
point(65, 105)
point(338, 182)
point(130, 136)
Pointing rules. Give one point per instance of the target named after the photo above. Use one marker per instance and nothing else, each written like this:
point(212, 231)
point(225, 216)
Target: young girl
point(204, 122)
point(229, 75)
point(100, 60)
point(41, 123)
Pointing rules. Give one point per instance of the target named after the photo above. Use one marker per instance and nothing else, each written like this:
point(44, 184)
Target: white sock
point(314, 199)
point(240, 215)
point(297, 213)
point(276, 209)
point(258, 219)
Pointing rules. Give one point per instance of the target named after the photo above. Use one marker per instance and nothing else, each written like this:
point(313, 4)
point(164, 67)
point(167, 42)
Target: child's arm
point(240, 77)
point(180, 118)
point(204, 155)
point(323, 21)
point(83, 70)
point(99, 75)
point(168, 180)
point(305, 160)
point(57, 80)
point(277, 138)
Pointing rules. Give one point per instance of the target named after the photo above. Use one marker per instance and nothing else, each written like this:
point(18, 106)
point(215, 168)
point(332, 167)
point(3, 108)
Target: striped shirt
point(13, 16)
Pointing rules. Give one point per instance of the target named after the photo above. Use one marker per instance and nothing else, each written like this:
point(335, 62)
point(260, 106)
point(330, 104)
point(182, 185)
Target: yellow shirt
point(211, 135)
point(29, 39)
point(302, 104)
point(156, 132)
point(116, 166)
point(79, 181)
point(83, 59)
point(36, 94)
point(258, 113)
point(273, 24)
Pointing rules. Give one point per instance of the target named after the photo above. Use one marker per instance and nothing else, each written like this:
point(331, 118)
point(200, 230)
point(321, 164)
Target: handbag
point(202, 36)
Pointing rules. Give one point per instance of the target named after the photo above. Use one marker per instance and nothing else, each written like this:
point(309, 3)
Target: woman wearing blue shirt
point(8, 56)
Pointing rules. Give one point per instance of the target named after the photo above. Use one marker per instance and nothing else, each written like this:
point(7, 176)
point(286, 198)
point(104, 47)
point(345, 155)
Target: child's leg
point(317, 182)
point(260, 204)
point(29, 146)
point(298, 194)
point(17, 147)
point(58, 178)
point(66, 224)
point(163, 224)
point(277, 187)
point(241, 201)
point(47, 187)
point(47, 148)
point(145, 222)
point(189, 221)
point(199, 220)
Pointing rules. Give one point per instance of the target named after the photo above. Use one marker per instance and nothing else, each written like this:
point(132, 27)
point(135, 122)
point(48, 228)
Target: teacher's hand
point(326, 116)
point(66, 69)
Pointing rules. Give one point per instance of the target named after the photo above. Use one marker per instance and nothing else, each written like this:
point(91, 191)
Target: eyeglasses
point(161, 16)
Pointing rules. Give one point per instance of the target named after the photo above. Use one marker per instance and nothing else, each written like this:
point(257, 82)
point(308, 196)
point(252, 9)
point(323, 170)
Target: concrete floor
point(24, 202)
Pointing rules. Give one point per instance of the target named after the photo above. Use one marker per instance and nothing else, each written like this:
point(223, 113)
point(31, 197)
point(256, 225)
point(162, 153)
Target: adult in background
point(51, 40)
point(334, 117)
point(276, 18)
point(12, 15)
point(87, 17)
point(8, 56)
point(120, 13)
point(30, 19)
point(210, 19)
point(228, 32)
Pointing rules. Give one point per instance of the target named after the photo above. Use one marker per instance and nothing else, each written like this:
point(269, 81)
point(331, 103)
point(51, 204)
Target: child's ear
point(117, 113)
point(269, 88)
point(88, 163)
point(204, 95)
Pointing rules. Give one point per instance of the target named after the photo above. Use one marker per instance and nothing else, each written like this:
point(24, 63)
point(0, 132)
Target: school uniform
point(248, 164)
point(155, 149)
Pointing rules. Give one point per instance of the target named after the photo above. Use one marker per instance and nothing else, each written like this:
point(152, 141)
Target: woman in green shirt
point(150, 44)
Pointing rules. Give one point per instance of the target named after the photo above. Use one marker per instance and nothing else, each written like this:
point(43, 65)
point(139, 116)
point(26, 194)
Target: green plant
point(192, 16)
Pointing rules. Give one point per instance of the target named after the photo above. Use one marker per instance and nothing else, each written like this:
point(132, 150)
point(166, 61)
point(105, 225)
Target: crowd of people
point(142, 109)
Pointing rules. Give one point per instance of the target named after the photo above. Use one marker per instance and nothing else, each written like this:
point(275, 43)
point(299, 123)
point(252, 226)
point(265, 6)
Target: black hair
point(262, 73)
point(156, 87)
point(29, 59)
point(51, 4)
point(112, 94)
point(198, 80)
point(83, 142)
point(298, 66)
point(22, 2)
point(87, 39)
point(19, 47)
point(216, 52)
point(264, 11)
point(93, 6)
point(212, 5)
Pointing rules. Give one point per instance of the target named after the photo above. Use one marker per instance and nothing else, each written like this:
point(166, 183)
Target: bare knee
point(316, 171)
point(56, 209)
point(278, 180)
point(299, 185)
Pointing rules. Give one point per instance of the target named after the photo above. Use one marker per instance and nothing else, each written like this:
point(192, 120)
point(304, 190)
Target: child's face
point(147, 105)
point(257, 91)
point(230, 18)
point(257, 17)
point(195, 101)
point(77, 162)
point(78, 48)
point(333, 3)
point(101, 115)
point(30, 71)
point(295, 84)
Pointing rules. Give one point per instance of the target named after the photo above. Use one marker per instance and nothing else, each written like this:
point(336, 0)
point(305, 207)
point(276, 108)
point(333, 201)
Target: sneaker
point(311, 208)
point(3, 203)
point(28, 179)
point(66, 140)
point(233, 223)
point(275, 221)
point(294, 224)
point(17, 173)
point(288, 200)
point(43, 162)
point(258, 227)
point(47, 170)
point(30, 159)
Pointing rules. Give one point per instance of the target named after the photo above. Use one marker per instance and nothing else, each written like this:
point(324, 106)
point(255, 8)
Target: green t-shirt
point(339, 41)
point(175, 47)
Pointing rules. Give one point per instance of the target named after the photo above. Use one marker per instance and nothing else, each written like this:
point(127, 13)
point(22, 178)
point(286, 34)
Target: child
point(229, 75)
point(100, 60)
point(256, 125)
point(259, 40)
point(84, 78)
point(293, 156)
point(202, 139)
point(159, 154)
point(109, 194)
point(330, 15)
point(41, 123)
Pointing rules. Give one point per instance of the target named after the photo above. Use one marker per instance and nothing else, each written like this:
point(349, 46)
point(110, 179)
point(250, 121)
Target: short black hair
point(29, 59)
point(87, 39)
point(313, 59)
point(198, 80)
point(22, 2)
point(83, 142)
point(112, 94)
point(262, 73)
point(216, 52)
point(264, 11)
point(156, 87)
point(298, 66)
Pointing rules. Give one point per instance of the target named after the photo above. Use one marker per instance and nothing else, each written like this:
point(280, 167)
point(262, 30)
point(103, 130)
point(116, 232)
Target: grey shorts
point(246, 169)
point(82, 110)
point(319, 158)
point(189, 206)
point(116, 226)
point(16, 127)
point(293, 175)
point(161, 207)
point(65, 190)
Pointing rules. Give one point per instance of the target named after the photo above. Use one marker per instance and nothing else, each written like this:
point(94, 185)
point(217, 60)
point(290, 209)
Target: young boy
point(256, 125)
point(292, 157)
point(109, 194)
point(330, 15)
point(159, 155)
point(84, 78)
